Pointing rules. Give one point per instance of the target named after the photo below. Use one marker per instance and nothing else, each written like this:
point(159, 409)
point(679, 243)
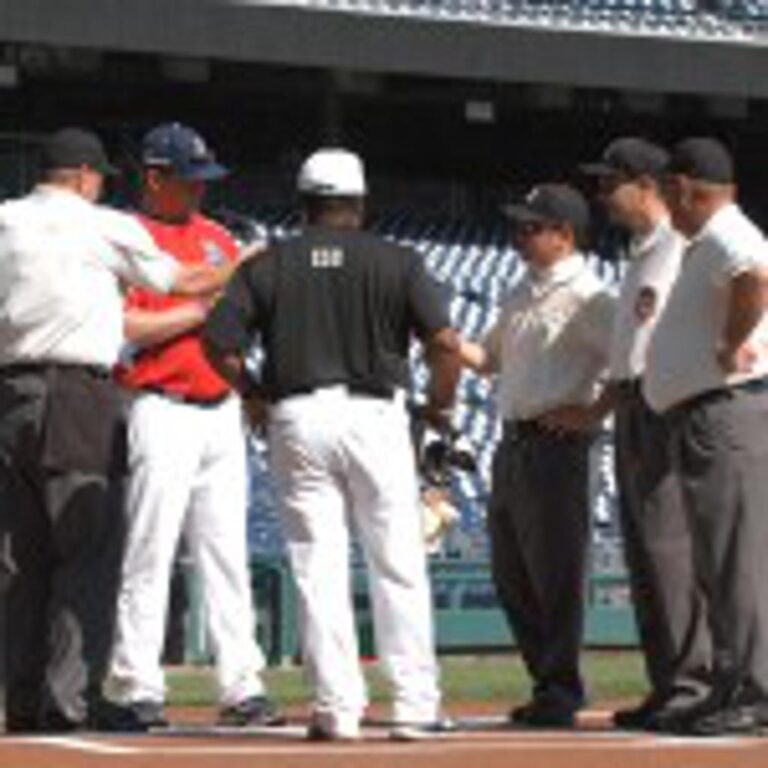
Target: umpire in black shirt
point(336, 309)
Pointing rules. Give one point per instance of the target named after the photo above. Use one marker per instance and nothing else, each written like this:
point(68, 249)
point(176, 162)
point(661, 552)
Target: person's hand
point(440, 419)
point(199, 308)
point(569, 418)
point(740, 359)
point(251, 250)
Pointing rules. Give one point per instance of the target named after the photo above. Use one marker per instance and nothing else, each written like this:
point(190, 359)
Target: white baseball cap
point(332, 173)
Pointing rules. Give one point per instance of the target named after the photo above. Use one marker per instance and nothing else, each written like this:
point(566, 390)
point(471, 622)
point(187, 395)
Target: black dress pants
point(538, 523)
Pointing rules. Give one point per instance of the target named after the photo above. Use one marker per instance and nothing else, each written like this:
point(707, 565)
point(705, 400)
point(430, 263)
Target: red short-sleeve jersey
point(178, 366)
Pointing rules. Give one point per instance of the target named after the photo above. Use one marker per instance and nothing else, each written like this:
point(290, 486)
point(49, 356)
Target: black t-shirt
point(332, 307)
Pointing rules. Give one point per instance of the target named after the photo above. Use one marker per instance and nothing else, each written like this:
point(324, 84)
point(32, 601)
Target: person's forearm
point(444, 361)
point(746, 306)
point(144, 328)
point(201, 280)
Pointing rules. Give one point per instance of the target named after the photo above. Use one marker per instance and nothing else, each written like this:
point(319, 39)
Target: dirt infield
point(592, 745)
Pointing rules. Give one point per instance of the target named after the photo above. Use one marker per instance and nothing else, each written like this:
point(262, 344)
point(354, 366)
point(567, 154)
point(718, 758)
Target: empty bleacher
point(673, 17)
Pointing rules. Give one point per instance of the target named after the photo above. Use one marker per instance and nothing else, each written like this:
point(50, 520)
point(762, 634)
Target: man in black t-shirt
point(336, 309)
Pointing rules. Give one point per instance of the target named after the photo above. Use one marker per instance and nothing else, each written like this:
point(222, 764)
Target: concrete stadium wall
point(246, 30)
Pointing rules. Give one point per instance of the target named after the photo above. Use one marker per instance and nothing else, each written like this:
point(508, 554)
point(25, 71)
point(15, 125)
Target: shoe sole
point(324, 737)
point(270, 722)
point(415, 734)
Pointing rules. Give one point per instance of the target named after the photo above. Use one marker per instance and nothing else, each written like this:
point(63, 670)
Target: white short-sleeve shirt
point(682, 355)
point(62, 262)
point(550, 344)
point(654, 263)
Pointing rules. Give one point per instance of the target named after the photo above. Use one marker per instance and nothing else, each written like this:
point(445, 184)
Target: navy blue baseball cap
point(182, 151)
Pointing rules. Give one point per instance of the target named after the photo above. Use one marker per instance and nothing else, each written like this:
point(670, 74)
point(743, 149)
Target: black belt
point(523, 429)
point(176, 397)
point(41, 369)
point(628, 388)
point(379, 392)
point(751, 386)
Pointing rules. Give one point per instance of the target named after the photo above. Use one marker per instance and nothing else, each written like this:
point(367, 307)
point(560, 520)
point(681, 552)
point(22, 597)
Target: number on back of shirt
point(327, 258)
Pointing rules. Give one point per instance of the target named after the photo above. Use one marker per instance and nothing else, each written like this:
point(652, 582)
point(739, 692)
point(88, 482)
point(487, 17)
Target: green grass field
point(611, 676)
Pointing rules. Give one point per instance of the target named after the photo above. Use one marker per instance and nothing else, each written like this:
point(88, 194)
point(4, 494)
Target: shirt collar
point(560, 272)
point(642, 245)
point(717, 221)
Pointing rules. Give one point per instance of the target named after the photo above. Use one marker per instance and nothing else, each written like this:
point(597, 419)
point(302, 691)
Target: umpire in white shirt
point(549, 347)
point(62, 259)
point(668, 603)
point(707, 372)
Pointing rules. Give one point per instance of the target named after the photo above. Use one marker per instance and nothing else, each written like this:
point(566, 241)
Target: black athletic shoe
point(134, 717)
point(638, 718)
point(543, 714)
point(728, 721)
point(54, 722)
point(422, 731)
point(255, 710)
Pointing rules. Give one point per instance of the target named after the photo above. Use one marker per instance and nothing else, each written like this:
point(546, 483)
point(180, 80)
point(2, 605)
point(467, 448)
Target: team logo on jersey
point(645, 304)
point(213, 254)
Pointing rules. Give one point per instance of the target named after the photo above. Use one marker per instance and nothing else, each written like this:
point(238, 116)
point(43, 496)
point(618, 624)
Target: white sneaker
point(422, 731)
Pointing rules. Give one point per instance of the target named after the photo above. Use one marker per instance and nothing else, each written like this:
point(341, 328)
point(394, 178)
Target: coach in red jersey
point(187, 457)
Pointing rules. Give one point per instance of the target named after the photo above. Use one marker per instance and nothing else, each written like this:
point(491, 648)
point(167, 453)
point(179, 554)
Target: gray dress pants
point(538, 524)
point(720, 446)
point(61, 456)
point(669, 605)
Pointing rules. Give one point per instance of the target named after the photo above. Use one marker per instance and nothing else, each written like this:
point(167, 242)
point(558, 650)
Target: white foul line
point(77, 744)
point(373, 748)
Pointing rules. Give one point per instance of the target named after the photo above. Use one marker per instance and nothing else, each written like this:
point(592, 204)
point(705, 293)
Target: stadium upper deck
point(712, 47)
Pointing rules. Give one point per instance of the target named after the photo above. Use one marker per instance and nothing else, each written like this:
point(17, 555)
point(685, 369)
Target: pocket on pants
point(84, 427)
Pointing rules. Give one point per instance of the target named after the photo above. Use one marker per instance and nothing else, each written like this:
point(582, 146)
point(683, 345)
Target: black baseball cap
point(629, 156)
point(552, 204)
point(73, 148)
point(183, 151)
point(702, 158)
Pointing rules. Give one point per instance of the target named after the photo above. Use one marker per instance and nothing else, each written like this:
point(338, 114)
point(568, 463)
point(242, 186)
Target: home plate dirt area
point(192, 743)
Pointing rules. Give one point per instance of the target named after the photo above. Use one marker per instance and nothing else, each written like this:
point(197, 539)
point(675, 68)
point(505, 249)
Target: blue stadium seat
point(682, 17)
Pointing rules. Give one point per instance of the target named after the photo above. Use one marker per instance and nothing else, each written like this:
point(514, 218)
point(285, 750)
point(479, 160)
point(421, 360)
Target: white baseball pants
point(187, 474)
point(343, 461)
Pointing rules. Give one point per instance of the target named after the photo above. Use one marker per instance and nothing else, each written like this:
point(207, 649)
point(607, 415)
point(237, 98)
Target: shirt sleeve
point(741, 255)
point(427, 300)
point(133, 254)
point(232, 322)
point(491, 342)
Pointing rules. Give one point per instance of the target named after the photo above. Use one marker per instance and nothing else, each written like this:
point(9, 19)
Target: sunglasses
point(530, 228)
